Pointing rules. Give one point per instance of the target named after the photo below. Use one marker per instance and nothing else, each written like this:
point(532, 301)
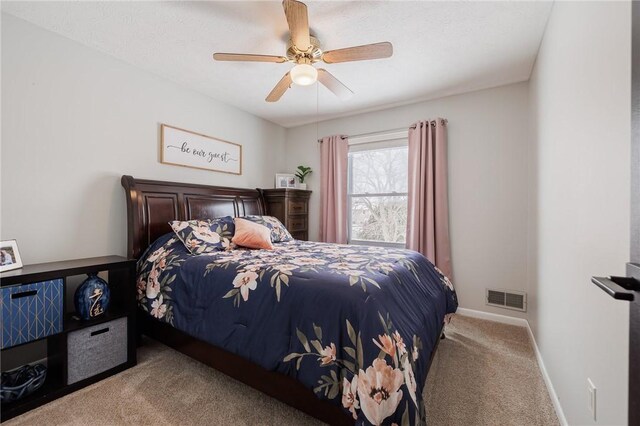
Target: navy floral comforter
point(356, 324)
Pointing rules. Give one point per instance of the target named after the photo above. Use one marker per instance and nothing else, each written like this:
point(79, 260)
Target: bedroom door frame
point(633, 267)
point(627, 288)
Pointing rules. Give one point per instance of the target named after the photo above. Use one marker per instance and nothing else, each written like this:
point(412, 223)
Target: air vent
point(509, 299)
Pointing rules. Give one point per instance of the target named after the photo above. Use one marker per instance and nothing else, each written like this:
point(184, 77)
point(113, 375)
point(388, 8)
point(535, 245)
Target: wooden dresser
point(291, 207)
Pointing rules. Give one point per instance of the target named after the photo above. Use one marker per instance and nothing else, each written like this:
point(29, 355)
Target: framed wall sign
point(188, 149)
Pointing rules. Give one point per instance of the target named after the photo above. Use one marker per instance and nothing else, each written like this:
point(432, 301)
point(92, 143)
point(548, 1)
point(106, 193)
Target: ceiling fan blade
point(359, 53)
point(333, 84)
point(248, 57)
point(298, 21)
point(280, 88)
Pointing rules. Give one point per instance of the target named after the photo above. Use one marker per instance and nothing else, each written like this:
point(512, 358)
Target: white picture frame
point(180, 147)
point(9, 256)
point(285, 180)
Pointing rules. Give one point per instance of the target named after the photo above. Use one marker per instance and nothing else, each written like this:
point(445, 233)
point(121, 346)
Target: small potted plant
point(301, 173)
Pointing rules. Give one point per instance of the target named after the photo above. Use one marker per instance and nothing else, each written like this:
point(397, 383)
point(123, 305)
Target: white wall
point(580, 92)
point(488, 138)
point(74, 120)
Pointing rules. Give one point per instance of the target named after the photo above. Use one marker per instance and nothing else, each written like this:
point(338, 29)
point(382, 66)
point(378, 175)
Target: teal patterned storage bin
point(31, 311)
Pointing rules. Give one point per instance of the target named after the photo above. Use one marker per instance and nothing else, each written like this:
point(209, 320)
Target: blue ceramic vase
point(92, 297)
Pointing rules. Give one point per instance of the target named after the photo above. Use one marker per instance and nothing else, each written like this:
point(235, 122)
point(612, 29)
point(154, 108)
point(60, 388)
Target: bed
point(343, 333)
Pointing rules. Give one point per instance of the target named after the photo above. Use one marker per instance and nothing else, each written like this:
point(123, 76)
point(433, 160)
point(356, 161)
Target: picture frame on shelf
point(9, 256)
point(285, 180)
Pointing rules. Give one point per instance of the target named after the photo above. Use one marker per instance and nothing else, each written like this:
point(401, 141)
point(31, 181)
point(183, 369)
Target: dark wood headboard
point(152, 204)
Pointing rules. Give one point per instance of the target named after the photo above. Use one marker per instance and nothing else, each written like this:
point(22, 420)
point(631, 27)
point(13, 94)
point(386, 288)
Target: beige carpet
point(485, 373)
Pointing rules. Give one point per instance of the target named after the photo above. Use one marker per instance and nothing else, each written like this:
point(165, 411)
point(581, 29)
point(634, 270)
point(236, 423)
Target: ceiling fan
point(304, 50)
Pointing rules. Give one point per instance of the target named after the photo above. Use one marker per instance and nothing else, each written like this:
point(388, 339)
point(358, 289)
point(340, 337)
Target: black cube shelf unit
point(114, 328)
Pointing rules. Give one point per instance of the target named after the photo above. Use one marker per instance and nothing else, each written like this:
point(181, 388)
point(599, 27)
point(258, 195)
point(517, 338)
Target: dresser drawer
point(297, 206)
point(300, 235)
point(31, 311)
point(297, 223)
point(96, 349)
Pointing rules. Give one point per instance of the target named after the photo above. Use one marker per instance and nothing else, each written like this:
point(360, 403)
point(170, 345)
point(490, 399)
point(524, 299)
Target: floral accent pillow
point(279, 233)
point(205, 236)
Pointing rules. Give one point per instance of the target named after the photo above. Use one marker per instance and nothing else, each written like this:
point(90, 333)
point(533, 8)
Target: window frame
point(351, 195)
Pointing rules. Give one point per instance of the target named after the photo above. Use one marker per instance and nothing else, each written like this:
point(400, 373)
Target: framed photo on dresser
point(9, 256)
point(285, 180)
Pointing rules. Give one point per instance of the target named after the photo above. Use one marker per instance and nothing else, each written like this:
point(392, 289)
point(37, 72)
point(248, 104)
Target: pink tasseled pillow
point(252, 235)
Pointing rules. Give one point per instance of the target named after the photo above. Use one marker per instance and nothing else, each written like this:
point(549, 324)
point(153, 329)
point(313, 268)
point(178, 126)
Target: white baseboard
point(492, 317)
point(523, 323)
point(547, 380)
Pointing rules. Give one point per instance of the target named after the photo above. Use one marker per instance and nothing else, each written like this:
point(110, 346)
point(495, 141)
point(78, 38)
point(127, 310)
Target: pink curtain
point(334, 153)
point(428, 214)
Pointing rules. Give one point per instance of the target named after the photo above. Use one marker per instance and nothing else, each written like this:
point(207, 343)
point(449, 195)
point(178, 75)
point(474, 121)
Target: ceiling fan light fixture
point(304, 74)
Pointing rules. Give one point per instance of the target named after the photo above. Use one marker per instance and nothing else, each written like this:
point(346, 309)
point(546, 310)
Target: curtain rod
point(413, 126)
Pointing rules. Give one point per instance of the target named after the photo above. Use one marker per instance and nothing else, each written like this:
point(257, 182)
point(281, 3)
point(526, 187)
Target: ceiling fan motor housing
point(314, 54)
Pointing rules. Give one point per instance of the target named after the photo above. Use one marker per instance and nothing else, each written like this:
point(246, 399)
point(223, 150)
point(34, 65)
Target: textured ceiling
point(440, 48)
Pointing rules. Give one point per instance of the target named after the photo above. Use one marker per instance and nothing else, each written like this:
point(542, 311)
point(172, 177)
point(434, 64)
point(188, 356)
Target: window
point(377, 193)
